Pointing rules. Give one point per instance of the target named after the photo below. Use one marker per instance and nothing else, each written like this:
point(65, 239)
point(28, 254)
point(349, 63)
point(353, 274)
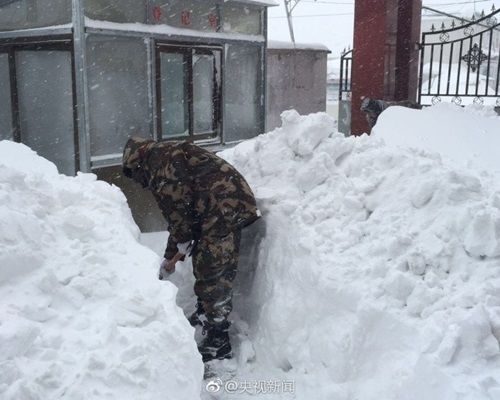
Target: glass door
point(45, 102)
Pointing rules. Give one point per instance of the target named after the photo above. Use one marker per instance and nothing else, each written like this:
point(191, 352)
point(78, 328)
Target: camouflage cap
point(134, 150)
point(373, 106)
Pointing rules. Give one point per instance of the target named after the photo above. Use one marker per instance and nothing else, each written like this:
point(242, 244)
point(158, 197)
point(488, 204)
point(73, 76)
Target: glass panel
point(190, 14)
point(174, 94)
point(118, 81)
point(44, 84)
point(116, 10)
point(241, 19)
point(203, 93)
point(243, 116)
point(22, 14)
point(6, 126)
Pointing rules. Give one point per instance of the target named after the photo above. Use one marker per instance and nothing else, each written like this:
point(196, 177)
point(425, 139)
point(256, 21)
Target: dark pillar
point(385, 61)
point(408, 34)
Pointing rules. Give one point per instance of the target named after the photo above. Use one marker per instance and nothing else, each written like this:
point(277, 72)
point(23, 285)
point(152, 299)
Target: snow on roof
point(267, 3)
point(278, 45)
point(168, 30)
point(43, 30)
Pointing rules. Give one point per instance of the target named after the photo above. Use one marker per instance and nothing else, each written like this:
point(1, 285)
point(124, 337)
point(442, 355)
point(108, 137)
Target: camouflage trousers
point(215, 263)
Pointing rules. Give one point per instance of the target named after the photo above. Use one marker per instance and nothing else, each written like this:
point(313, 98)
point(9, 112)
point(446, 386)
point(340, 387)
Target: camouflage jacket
point(197, 191)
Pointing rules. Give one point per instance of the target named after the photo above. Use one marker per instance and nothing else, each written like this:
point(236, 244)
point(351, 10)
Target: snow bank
point(379, 277)
point(82, 315)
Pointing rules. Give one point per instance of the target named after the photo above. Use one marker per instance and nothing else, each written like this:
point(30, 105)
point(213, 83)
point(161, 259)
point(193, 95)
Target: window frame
point(190, 50)
point(14, 110)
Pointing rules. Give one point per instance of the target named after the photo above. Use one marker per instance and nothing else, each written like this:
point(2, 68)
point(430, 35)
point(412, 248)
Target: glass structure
point(79, 77)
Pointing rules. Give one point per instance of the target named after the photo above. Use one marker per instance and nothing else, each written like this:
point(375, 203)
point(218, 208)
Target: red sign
point(157, 13)
point(212, 20)
point(186, 17)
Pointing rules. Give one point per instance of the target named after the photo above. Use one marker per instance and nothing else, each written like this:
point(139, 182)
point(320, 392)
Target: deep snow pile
point(464, 137)
point(379, 277)
point(82, 314)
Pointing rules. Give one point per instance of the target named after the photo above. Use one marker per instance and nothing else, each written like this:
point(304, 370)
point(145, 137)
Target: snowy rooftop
point(280, 45)
point(268, 3)
point(167, 30)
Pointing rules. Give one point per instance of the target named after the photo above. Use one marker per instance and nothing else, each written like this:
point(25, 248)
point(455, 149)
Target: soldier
point(206, 203)
point(373, 108)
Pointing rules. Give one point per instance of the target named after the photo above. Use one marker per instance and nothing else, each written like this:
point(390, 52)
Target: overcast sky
point(330, 22)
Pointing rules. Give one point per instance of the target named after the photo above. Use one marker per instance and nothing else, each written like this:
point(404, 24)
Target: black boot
point(216, 345)
point(194, 318)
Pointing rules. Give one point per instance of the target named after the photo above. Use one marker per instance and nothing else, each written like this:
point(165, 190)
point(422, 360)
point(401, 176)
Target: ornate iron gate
point(461, 63)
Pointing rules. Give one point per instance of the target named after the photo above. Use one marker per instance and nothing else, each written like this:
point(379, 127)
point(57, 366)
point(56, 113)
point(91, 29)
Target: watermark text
point(251, 387)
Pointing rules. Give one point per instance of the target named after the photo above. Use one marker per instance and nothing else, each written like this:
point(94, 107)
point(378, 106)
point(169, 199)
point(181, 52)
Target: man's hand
point(167, 268)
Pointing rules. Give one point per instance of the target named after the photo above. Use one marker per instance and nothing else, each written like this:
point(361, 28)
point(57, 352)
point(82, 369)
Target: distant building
point(296, 79)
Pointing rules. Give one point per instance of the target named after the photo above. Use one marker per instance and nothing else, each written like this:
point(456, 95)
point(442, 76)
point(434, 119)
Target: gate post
point(385, 60)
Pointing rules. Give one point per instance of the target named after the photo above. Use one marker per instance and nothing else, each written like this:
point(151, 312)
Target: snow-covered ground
point(376, 274)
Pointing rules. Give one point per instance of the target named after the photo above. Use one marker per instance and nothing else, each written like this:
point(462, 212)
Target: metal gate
point(345, 92)
point(345, 86)
point(460, 64)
